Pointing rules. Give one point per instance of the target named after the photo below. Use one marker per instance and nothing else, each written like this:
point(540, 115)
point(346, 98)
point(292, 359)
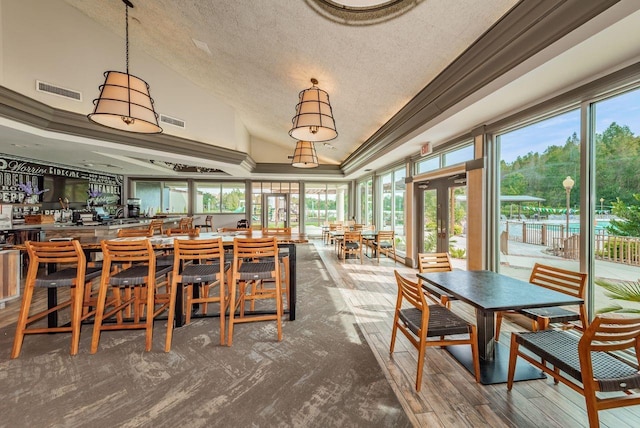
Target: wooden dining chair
point(276, 231)
point(562, 280)
point(208, 224)
point(137, 277)
point(384, 243)
point(183, 232)
point(133, 232)
point(420, 323)
point(185, 223)
point(199, 262)
point(351, 243)
point(254, 261)
point(435, 262)
point(587, 364)
point(156, 225)
point(75, 275)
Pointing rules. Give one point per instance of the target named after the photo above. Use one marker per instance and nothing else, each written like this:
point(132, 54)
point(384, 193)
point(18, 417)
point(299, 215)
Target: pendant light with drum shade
point(313, 121)
point(305, 155)
point(125, 102)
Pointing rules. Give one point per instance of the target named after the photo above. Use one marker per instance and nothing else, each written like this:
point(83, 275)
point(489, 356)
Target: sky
point(623, 109)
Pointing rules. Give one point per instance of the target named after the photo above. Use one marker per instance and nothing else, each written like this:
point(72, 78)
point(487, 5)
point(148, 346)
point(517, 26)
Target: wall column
point(477, 202)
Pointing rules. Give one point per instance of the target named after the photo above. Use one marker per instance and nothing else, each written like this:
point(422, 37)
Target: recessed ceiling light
point(329, 146)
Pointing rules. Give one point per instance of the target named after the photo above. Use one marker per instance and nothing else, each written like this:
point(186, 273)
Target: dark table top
point(492, 291)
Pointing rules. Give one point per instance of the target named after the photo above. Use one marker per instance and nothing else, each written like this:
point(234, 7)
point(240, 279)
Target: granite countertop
point(108, 225)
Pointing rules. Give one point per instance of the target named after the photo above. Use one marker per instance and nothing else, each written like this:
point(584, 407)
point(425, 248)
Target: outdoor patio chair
point(564, 281)
point(586, 364)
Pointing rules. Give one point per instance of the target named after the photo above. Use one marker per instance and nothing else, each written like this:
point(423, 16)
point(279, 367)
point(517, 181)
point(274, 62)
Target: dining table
point(489, 292)
point(91, 246)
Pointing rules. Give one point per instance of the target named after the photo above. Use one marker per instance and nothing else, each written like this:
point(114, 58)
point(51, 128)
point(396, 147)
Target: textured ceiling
point(262, 53)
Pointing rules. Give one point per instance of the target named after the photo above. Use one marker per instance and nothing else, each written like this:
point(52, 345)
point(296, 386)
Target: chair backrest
point(611, 332)
point(242, 224)
point(157, 224)
point(234, 229)
point(358, 226)
point(276, 230)
point(434, 262)
point(185, 223)
point(139, 250)
point(55, 252)
point(180, 231)
point(123, 233)
point(208, 220)
point(197, 249)
point(247, 248)
point(352, 236)
point(411, 293)
point(385, 236)
point(562, 280)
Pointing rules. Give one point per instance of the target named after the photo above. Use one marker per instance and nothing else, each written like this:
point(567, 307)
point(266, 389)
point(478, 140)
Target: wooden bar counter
point(89, 231)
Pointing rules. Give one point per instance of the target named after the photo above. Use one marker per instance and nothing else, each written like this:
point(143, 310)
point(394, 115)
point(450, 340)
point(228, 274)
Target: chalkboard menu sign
point(24, 181)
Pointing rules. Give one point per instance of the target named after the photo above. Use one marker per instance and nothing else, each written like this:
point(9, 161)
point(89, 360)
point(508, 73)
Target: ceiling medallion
point(362, 12)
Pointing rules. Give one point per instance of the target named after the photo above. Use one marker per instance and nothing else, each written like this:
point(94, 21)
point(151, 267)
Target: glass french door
point(443, 216)
point(275, 212)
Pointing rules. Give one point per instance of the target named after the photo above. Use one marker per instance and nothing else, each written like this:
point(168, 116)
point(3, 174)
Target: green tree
point(630, 225)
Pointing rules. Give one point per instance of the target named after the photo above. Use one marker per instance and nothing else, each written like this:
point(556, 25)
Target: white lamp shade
point(314, 118)
point(305, 155)
point(125, 104)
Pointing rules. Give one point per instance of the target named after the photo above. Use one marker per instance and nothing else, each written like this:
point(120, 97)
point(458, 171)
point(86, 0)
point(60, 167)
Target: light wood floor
point(449, 396)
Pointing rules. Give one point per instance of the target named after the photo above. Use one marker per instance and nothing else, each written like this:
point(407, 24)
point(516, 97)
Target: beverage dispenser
point(133, 206)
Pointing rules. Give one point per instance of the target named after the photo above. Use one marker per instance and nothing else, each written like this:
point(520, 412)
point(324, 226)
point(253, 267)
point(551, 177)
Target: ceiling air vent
point(57, 90)
point(172, 121)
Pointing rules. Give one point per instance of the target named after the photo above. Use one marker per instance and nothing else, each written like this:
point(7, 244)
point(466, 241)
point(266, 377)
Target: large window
point(220, 197)
point(617, 202)
point(167, 197)
point(391, 211)
point(539, 216)
point(365, 201)
point(324, 203)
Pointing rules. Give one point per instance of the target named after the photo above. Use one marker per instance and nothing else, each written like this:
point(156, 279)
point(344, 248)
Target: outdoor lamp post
point(601, 209)
point(568, 183)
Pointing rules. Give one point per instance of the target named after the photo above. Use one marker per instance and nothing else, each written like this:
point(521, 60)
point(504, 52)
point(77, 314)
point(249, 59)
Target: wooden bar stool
point(199, 262)
point(74, 277)
point(138, 273)
point(254, 261)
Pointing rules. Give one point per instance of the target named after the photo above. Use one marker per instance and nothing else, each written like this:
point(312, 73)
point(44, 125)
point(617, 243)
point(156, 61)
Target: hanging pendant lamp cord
point(126, 31)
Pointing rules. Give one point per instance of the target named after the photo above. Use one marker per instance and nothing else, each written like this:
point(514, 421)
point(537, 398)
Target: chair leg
point(22, 318)
point(188, 302)
point(591, 402)
point(232, 309)
point(394, 330)
point(223, 310)
point(77, 298)
point(97, 322)
point(151, 288)
point(513, 356)
point(498, 326)
point(421, 351)
point(171, 316)
point(475, 354)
